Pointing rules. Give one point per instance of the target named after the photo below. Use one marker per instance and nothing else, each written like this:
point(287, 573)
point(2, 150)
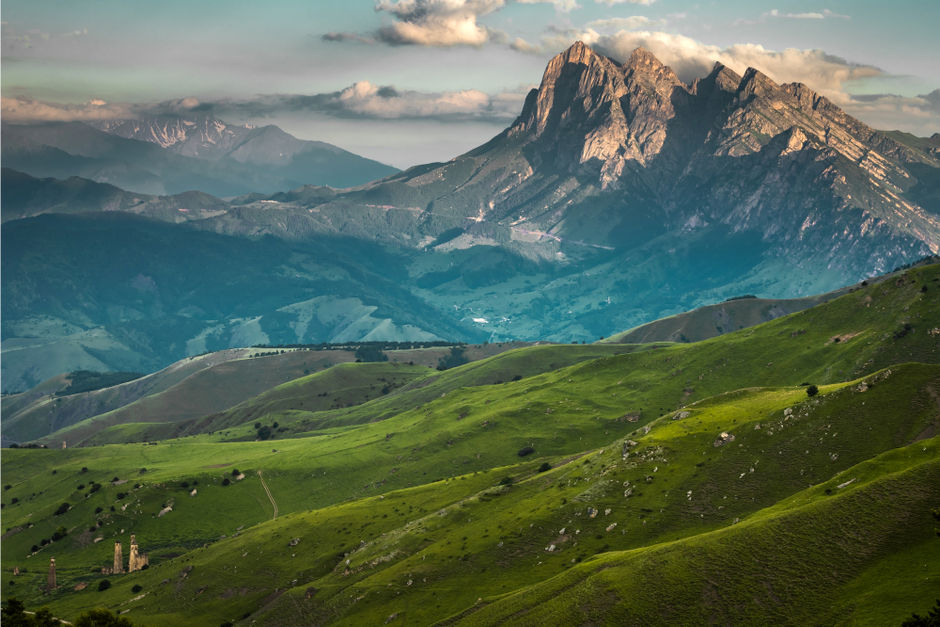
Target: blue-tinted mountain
point(262, 160)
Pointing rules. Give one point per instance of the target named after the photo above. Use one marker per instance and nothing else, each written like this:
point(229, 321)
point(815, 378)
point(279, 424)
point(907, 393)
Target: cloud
point(774, 14)
point(436, 22)
point(367, 100)
point(690, 59)
point(620, 23)
point(347, 37)
point(560, 5)
point(919, 114)
point(813, 15)
point(361, 100)
point(28, 110)
point(611, 3)
point(16, 40)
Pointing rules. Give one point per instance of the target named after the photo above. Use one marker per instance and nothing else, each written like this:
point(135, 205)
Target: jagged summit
point(740, 150)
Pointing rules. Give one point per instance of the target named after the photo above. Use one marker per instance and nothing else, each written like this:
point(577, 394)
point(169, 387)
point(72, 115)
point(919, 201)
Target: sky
point(415, 81)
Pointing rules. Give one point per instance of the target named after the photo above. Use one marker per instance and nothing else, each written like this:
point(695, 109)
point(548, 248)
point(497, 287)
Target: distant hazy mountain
point(305, 162)
point(155, 157)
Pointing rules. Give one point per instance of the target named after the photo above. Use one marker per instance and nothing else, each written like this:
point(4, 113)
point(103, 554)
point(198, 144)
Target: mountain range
point(620, 195)
point(171, 155)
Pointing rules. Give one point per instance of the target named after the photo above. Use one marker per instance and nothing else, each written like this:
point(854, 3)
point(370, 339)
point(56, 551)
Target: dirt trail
point(270, 496)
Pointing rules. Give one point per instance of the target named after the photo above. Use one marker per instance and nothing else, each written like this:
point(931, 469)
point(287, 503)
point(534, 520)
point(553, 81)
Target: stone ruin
point(136, 559)
point(51, 583)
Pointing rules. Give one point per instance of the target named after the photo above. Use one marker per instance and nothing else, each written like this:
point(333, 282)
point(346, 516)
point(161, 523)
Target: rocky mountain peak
point(756, 83)
point(643, 67)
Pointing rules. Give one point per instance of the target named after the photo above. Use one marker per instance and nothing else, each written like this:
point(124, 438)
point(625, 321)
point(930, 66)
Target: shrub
point(545, 466)
point(525, 450)
point(812, 390)
point(505, 481)
point(226, 481)
point(904, 330)
point(235, 472)
point(59, 533)
point(62, 509)
point(137, 588)
point(102, 618)
point(103, 585)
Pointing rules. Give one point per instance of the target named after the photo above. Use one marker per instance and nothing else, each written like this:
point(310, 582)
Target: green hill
point(648, 484)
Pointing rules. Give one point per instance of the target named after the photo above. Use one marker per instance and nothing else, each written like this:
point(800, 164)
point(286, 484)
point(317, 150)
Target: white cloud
point(362, 100)
point(560, 5)
point(620, 23)
point(365, 99)
point(436, 22)
point(690, 59)
point(27, 110)
point(611, 3)
point(811, 15)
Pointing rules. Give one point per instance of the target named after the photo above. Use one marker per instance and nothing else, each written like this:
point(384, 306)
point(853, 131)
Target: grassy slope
point(796, 563)
point(561, 412)
point(43, 412)
point(467, 538)
point(226, 378)
point(712, 320)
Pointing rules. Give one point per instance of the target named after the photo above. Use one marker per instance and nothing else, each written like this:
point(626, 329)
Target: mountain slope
point(667, 195)
point(260, 160)
point(135, 294)
point(298, 162)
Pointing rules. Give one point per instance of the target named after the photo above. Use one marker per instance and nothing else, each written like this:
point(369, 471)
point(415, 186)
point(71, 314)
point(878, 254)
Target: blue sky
point(411, 81)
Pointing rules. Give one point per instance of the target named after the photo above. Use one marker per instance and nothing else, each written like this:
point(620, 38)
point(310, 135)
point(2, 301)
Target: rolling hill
point(649, 483)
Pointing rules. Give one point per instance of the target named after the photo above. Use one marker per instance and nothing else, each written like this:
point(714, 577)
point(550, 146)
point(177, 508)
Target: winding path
point(270, 496)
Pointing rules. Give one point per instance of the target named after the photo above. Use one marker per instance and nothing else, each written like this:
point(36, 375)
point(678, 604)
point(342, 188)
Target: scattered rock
point(611, 526)
point(842, 485)
point(166, 510)
point(294, 542)
point(681, 415)
point(723, 438)
point(81, 585)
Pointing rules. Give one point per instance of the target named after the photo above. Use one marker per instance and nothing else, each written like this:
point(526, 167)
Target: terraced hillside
point(646, 484)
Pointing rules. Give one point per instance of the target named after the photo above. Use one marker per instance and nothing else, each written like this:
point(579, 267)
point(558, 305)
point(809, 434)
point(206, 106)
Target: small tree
point(100, 617)
point(103, 585)
point(812, 390)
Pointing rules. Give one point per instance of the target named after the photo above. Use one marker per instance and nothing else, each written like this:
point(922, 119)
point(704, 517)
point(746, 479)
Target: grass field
point(633, 484)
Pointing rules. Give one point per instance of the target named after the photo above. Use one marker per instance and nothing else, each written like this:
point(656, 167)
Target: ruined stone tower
point(50, 584)
point(136, 559)
point(118, 559)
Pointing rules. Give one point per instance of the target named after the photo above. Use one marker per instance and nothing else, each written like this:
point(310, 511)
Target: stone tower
point(136, 559)
point(50, 584)
point(118, 559)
